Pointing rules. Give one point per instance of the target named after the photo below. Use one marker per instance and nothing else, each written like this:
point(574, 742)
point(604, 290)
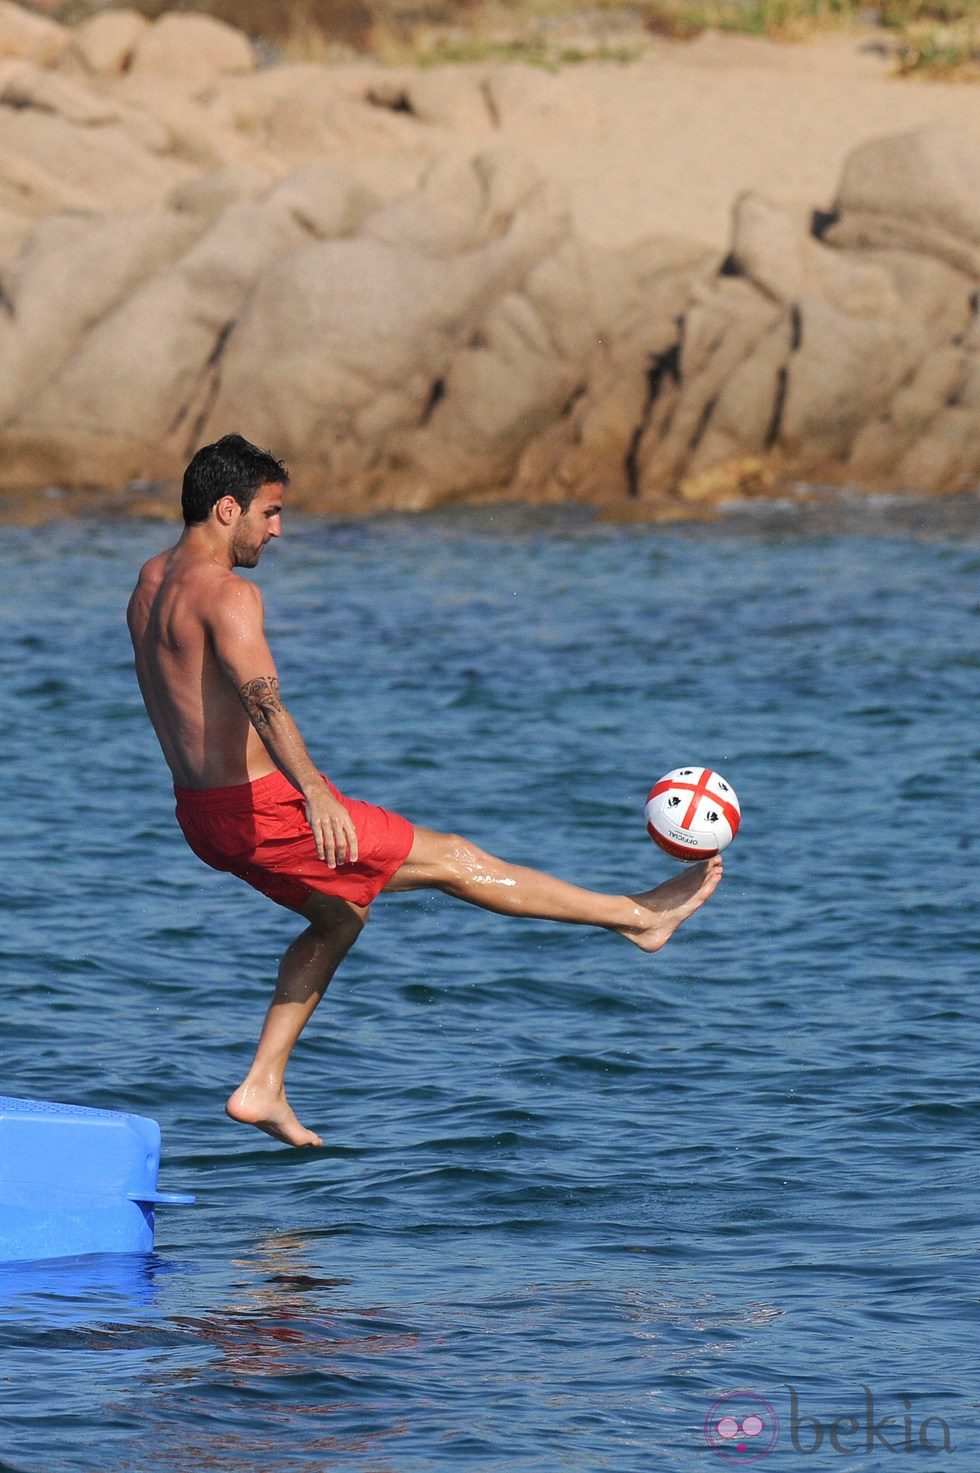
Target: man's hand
point(333, 828)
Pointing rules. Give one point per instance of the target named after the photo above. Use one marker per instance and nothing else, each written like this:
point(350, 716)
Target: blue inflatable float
point(75, 1180)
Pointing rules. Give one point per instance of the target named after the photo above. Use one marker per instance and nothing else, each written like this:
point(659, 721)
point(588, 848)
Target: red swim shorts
point(258, 831)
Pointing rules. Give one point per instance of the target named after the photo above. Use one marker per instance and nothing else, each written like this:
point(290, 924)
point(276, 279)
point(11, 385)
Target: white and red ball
point(692, 813)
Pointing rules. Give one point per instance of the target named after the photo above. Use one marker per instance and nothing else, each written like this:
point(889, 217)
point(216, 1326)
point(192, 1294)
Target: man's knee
point(438, 860)
point(459, 857)
point(340, 920)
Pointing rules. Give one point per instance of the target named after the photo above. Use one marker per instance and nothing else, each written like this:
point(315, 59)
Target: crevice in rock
point(211, 395)
point(500, 224)
point(795, 329)
point(6, 303)
point(782, 378)
point(772, 433)
point(201, 419)
point(436, 393)
point(702, 424)
point(395, 102)
point(490, 102)
point(821, 221)
point(730, 266)
point(960, 337)
point(573, 399)
point(954, 398)
point(662, 366)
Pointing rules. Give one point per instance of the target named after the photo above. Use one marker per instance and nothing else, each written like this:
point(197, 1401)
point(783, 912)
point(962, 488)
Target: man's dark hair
point(230, 467)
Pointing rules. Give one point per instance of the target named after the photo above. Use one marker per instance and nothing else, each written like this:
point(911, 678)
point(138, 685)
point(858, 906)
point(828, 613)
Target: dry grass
point(931, 38)
point(349, 22)
point(941, 52)
point(938, 38)
point(783, 20)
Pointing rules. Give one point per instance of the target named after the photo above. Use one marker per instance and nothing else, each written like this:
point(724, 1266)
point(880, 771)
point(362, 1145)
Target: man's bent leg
point(304, 972)
point(452, 864)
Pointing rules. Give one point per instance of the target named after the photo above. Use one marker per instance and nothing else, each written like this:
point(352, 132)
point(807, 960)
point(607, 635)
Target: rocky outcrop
point(356, 268)
point(26, 36)
point(105, 44)
point(849, 350)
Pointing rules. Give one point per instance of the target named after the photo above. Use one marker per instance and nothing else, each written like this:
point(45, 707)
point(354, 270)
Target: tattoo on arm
point(261, 700)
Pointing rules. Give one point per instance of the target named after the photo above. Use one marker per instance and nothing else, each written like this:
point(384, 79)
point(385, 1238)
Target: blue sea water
point(571, 1196)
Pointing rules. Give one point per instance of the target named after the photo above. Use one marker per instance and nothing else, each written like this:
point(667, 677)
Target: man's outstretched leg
point(304, 972)
point(452, 864)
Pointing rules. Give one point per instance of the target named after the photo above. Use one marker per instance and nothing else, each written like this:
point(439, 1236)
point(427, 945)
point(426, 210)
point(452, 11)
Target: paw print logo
point(741, 1427)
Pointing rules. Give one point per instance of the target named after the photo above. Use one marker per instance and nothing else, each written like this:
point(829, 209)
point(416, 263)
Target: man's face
point(255, 526)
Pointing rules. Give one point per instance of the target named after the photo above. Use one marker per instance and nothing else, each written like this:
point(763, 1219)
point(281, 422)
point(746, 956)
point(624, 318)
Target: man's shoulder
point(232, 586)
point(153, 569)
point(229, 594)
point(146, 586)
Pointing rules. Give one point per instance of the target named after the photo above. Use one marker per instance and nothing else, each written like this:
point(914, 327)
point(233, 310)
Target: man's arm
point(235, 624)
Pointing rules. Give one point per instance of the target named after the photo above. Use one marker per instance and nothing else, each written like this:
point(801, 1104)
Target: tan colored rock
point(70, 274)
point(315, 117)
point(80, 459)
point(323, 200)
point(916, 191)
point(190, 52)
point(14, 227)
point(304, 114)
point(207, 196)
point(588, 452)
point(527, 96)
point(247, 103)
point(26, 86)
point(27, 36)
point(849, 368)
point(772, 246)
point(437, 371)
point(454, 97)
point(104, 45)
point(723, 325)
point(746, 414)
point(54, 164)
point(191, 134)
point(138, 369)
point(843, 374)
point(460, 205)
point(882, 445)
point(747, 475)
point(832, 361)
point(504, 389)
point(946, 458)
point(411, 316)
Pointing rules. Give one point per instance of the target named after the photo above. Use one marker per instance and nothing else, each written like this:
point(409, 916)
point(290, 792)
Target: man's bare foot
point(658, 913)
point(268, 1108)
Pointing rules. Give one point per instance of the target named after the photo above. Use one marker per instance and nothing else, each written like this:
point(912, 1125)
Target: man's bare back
point(197, 714)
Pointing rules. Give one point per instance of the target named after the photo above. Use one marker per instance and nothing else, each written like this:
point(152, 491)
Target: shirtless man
point(250, 799)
